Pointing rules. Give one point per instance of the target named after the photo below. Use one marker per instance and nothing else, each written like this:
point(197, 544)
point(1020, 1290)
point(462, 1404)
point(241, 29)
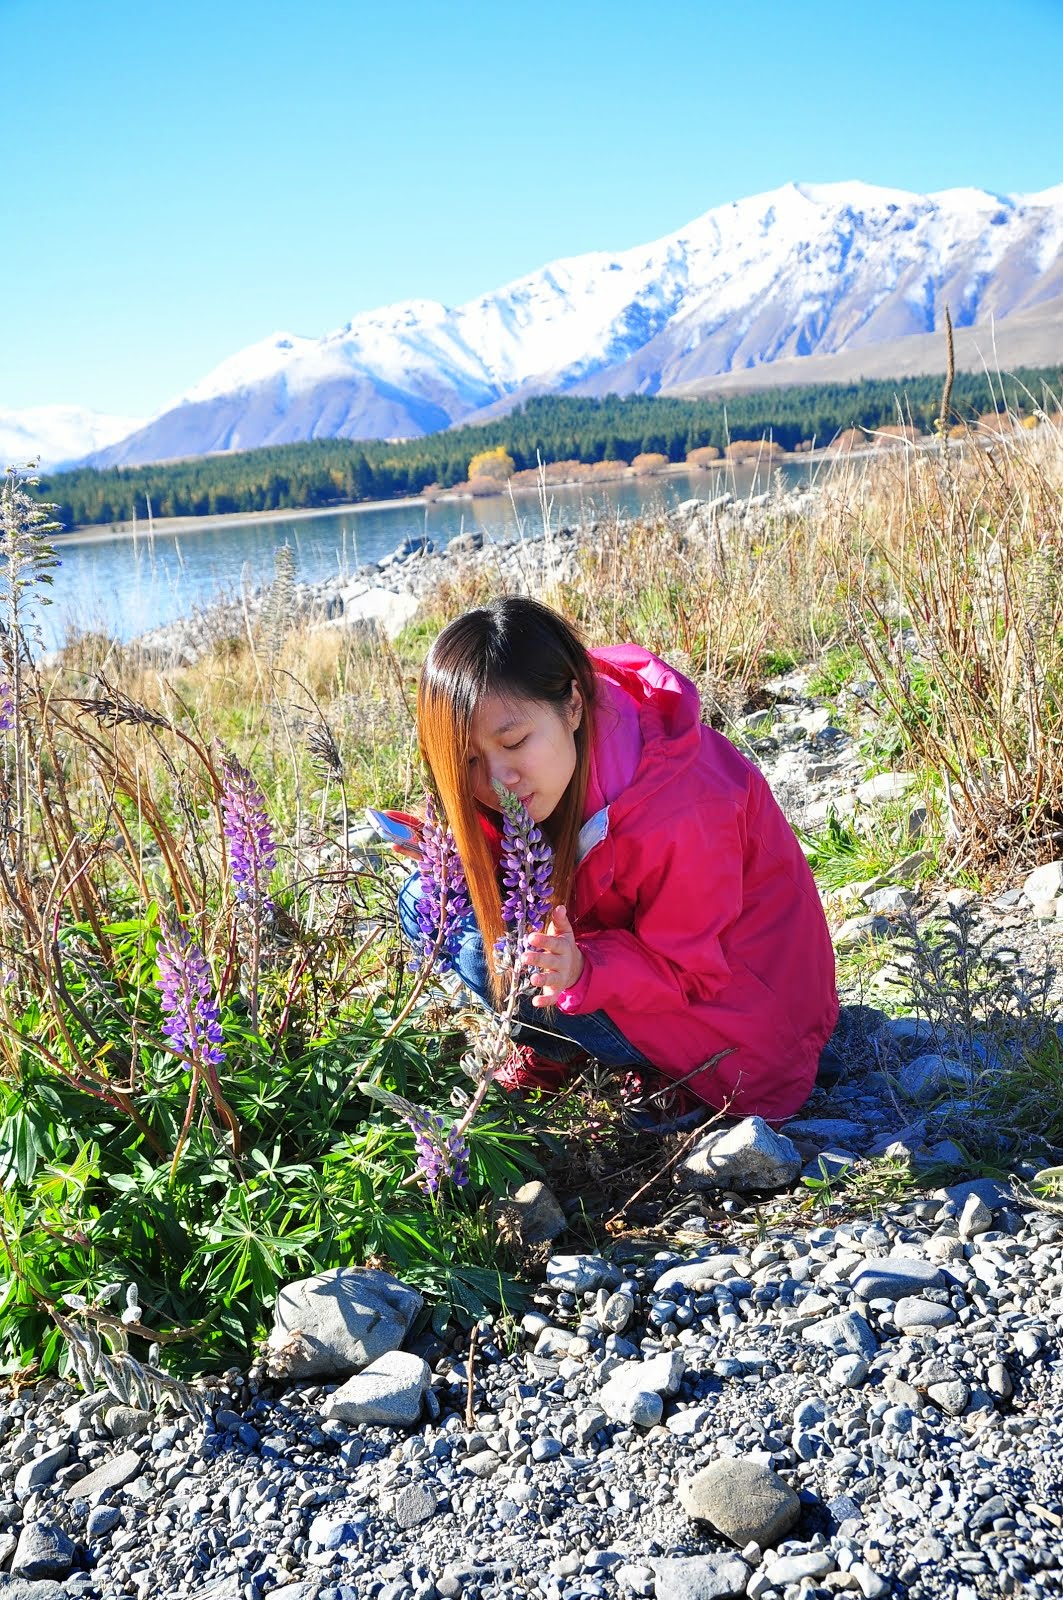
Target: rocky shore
point(387, 593)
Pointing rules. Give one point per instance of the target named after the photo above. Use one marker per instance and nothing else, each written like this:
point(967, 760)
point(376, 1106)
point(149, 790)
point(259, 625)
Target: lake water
point(123, 585)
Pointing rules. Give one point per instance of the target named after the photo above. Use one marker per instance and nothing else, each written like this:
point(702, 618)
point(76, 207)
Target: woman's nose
point(503, 771)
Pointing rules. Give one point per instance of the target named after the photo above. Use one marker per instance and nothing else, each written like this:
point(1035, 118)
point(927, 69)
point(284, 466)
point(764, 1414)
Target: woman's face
point(529, 746)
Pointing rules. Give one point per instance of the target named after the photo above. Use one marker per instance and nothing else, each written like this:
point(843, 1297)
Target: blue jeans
point(555, 1035)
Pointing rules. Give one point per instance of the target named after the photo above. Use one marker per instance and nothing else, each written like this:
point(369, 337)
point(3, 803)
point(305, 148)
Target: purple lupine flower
point(527, 874)
point(444, 899)
point(252, 849)
point(189, 1004)
point(441, 1152)
point(7, 705)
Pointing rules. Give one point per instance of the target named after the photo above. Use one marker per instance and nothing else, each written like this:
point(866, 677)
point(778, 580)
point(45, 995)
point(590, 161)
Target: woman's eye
point(518, 744)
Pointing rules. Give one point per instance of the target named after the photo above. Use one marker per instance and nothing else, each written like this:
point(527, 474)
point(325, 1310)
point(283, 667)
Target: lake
point(123, 585)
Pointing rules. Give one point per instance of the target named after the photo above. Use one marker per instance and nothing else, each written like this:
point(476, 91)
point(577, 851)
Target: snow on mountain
point(51, 435)
point(808, 269)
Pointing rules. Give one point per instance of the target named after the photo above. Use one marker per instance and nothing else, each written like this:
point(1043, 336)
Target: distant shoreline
point(99, 533)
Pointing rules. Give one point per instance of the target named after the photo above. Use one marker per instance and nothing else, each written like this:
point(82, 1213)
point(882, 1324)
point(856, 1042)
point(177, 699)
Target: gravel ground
point(901, 1375)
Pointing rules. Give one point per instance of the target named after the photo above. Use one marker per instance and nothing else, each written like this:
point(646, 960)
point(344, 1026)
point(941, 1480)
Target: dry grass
point(943, 569)
point(960, 618)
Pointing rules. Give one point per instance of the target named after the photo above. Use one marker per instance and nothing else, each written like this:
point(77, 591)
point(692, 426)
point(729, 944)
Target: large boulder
point(749, 1155)
point(742, 1499)
point(339, 1321)
point(43, 1551)
point(390, 1392)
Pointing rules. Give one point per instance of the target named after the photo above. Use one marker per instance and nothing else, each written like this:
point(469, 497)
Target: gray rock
point(43, 1551)
point(895, 1276)
point(748, 1156)
point(998, 1381)
point(102, 1521)
point(906, 1033)
point(848, 1333)
point(28, 1589)
point(744, 1500)
point(994, 1193)
point(414, 1505)
point(826, 1131)
point(334, 1533)
point(930, 1076)
point(633, 1392)
point(1044, 883)
point(914, 1312)
point(871, 1584)
point(889, 902)
point(951, 1397)
point(885, 786)
point(339, 1321)
point(581, 1274)
point(635, 1408)
point(632, 1578)
point(711, 1267)
point(857, 931)
point(40, 1470)
point(112, 1475)
point(849, 1371)
point(791, 1569)
point(975, 1218)
point(708, 1577)
point(614, 1311)
point(389, 1392)
point(905, 869)
point(532, 1213)
point(126, 1422)
point(554, 1343)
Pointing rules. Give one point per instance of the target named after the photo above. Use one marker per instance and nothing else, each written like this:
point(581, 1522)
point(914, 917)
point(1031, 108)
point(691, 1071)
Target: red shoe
point(524, 1069)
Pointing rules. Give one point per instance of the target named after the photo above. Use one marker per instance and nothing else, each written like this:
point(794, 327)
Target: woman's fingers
point(554, 958)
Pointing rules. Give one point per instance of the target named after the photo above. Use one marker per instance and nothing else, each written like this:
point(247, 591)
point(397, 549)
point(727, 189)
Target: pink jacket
point(697, 915)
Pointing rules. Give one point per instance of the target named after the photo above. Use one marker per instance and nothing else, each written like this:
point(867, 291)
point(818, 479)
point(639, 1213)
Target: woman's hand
point(555, 958)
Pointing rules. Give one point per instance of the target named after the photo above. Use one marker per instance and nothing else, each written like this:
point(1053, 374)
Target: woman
point(687, 933)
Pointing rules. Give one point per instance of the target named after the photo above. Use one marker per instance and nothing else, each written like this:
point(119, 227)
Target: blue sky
point(182, 179)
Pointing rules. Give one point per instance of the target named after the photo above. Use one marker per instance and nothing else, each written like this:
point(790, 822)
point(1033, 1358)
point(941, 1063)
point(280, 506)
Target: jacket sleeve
point(689, 894)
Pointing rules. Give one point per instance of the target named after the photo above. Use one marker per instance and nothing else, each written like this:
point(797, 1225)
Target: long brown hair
point(521, 650)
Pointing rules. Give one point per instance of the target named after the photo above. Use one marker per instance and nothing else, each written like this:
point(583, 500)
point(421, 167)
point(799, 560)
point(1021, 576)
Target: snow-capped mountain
point(804, 270)
point(51, 435)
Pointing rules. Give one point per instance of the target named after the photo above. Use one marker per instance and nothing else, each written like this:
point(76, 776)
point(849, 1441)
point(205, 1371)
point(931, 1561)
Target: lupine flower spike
point(192, 1018)
point(442, 1152)
point(192, 1024)
point(444, 898)
point(7, 705)
point(527, 874)
point(252, 848)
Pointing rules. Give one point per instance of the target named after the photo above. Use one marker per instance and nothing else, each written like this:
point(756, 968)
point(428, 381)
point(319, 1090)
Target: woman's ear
point(575, 707)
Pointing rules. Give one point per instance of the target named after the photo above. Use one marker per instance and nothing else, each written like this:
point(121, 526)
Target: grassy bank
point(207, 1166)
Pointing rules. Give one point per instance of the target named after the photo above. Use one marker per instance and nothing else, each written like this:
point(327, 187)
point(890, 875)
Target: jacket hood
point(667, 723)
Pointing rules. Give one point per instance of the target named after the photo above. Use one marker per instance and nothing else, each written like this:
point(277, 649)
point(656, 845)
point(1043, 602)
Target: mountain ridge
point(806, 272)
